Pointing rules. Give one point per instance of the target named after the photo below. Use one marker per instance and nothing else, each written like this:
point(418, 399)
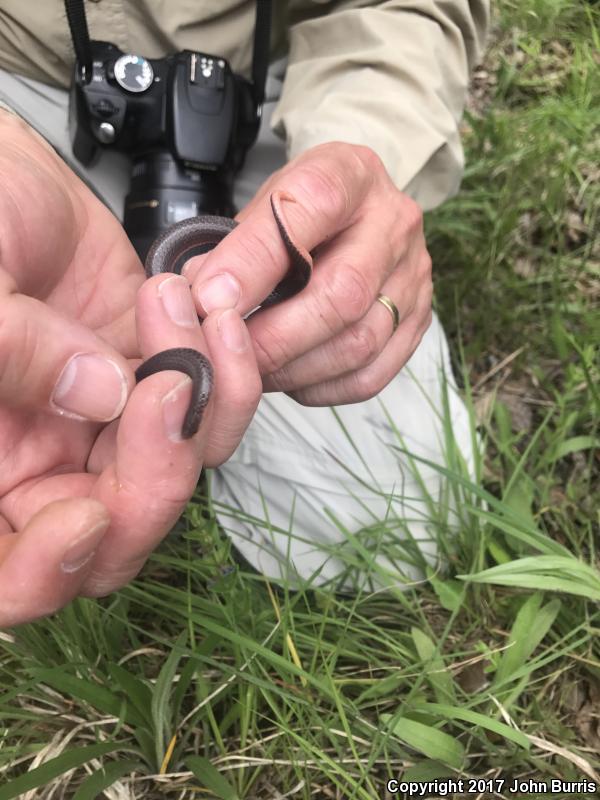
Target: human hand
point(333, 343)
point(84, 496)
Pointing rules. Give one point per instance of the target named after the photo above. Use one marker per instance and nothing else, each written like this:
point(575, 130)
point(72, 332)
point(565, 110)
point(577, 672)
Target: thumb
point(50, 362)
point(43, 566)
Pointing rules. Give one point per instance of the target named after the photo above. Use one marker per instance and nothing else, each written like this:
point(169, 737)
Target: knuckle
point(160, 498)
point(368, 158)
point(311, 396)
point(19, 344)
point(411, 215)
point(364, 346)
point(333, 177)
point(243, 398)
point(366, 385)
point(271, 350)
point(347, 293)
point(280, 381)
point(101, 584)
point(426, 267)
point(260, 249)
point(324, 186)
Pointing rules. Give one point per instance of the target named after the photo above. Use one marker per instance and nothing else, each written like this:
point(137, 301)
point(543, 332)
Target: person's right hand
point(84, 499)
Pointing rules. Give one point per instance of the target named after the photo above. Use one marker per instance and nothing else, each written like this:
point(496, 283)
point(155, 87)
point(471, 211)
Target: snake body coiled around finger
point(167, 255)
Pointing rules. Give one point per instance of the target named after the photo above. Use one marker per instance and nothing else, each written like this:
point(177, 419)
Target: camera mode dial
point(133, 73)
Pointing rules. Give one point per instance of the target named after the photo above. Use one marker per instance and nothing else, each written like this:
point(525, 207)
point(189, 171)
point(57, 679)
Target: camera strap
point(80, 36)
point(261, 52)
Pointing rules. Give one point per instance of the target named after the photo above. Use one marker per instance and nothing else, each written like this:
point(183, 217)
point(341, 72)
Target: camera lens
point(163, 191)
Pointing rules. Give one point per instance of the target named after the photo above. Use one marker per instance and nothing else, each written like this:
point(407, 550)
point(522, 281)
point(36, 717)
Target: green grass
point(230, 688)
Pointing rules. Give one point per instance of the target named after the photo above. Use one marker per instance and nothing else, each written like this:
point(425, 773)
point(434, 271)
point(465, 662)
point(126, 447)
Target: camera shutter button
point(106, 133)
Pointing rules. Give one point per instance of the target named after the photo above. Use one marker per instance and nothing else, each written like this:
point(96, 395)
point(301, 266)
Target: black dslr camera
point(186, 120)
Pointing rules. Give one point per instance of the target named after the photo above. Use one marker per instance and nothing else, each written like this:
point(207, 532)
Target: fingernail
point(174, 406)
point(185, 269)
point(90, 387)
point(193, 266)
point(233, 331)
point(83, 549)
point(222, 291)
point(177, 301)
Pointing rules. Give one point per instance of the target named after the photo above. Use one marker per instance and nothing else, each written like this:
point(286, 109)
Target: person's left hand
point(87, 492)
point(333, 342)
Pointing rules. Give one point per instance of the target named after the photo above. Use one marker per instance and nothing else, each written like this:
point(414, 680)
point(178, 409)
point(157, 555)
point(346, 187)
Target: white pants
point(319, 494)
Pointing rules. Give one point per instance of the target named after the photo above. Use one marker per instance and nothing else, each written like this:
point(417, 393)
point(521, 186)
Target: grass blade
point(211, 779)
point(437, 674)
point(433, 743)
point(87, 691)
point(42, 775)
point(481, 720)
point(161, 697)
point(532, 623)
point(550, 573)
point(104, 778)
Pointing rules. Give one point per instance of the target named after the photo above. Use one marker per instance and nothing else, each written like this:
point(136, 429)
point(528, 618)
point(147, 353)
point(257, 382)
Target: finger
point(152, 478)
point(155, 472)
point(5, 527)
point(39, 223)
point(348, 276)
point(100, 287)
point(329, 187)
point(365, 383)
point(49, 362)
point(59, 242)
point(104, 449)
point(120, 333)
point(43, 566)
point(167, 318)
point(355, 347)
point(238, 386)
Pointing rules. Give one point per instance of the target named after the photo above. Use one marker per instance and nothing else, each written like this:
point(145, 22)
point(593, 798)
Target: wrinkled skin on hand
point(94, 471)
point(332, 343)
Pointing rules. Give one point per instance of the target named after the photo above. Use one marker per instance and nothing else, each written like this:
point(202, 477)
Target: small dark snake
point(164, 256)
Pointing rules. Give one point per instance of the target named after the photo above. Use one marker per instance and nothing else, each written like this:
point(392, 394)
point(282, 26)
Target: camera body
point(186, 120)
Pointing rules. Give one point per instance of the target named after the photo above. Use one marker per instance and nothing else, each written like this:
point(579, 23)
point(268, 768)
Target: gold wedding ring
point(391, 307)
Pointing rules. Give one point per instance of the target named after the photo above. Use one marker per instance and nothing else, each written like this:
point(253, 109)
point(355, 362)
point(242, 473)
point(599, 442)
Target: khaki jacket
point(390, 74)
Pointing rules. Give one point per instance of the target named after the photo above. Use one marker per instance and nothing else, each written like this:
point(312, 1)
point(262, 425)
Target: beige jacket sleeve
point(391, 75)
